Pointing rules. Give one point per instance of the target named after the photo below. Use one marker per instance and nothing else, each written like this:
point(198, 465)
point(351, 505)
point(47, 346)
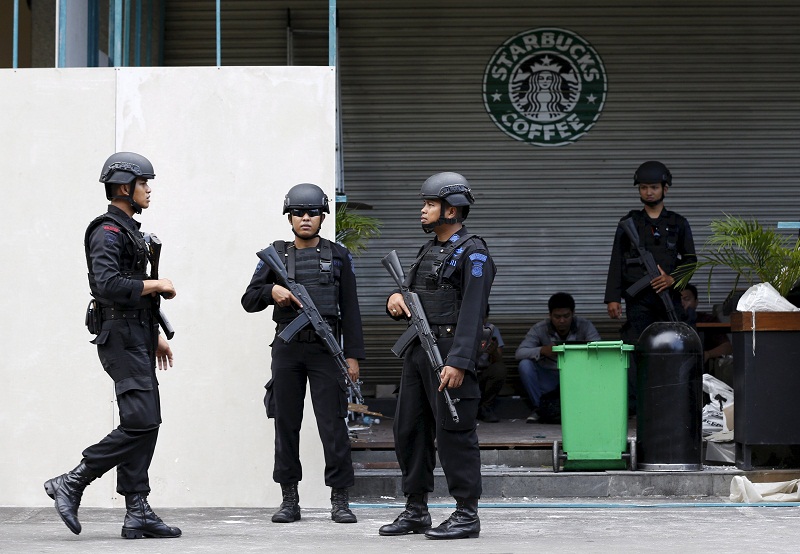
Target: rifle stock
point(419, 322)
point(309, 315)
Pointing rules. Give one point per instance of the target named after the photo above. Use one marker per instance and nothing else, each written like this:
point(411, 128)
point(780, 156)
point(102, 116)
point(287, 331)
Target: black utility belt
point(117, 313)
point(443, 330)
point(305, 335)
point(96, 314)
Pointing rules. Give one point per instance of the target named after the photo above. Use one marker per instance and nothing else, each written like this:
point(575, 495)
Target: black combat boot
point(141, 521)
point(290, 509)
point(340, 507)
point(462, 524)
point(67, 490)
point(414, 519)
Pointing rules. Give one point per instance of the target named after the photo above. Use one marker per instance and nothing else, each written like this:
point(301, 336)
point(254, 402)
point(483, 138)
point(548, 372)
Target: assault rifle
point(419, 327)
point(309, 315)
point(646, 259)
point(154, 244)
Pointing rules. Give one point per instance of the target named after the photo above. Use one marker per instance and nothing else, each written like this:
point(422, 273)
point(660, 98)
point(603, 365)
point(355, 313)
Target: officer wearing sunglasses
point(326, 270)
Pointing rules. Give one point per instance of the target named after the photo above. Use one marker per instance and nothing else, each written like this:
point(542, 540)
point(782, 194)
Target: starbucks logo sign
point(545, 86)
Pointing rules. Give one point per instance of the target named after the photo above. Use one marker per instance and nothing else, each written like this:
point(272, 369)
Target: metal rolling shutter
point(708, 88)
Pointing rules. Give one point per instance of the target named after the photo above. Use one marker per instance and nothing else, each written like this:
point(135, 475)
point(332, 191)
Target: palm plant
point(752, 252)
point(353, 230)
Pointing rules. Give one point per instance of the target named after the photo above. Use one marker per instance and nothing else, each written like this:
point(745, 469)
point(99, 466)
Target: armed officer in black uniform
point(664, 234)
point(129, 346)
point(668, 237)
point(453, 276)
point(326, 270)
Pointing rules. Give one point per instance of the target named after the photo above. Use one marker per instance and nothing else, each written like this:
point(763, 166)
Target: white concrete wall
point(226, 143)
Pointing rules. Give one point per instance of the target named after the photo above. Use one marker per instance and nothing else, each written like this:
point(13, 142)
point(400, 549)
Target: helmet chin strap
point(429, 227)
point(129, 198)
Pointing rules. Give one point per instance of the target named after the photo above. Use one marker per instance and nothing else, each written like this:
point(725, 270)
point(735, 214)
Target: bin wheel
point(631, 454)
point(556, 457)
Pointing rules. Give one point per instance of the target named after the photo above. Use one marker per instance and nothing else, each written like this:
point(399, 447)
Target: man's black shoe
point(414, 519)
point(141, 522)
point(67, 490)
point(289, 511)
point(340, 507)
point(462, 524)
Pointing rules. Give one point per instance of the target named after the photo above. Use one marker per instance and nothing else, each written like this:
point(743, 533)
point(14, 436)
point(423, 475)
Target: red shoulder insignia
point(111, 228)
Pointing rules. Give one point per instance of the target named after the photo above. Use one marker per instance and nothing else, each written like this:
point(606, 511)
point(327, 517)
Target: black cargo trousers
point(423, 425)
point(126, 346)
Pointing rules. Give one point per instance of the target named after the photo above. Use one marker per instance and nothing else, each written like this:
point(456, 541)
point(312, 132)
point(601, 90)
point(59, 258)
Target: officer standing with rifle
point(439, 395)
point(304, 349)
point(649, 245)
point(124, 315)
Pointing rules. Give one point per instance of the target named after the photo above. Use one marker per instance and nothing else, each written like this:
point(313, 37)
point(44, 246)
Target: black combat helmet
point(451, 188)
point(305, 195)
point(123, 168)
point(652, 172)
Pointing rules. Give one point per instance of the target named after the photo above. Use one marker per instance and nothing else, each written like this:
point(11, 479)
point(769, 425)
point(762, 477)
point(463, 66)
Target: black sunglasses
point(312, 212)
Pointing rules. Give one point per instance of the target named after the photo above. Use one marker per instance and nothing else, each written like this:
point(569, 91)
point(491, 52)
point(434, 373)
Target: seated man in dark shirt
point(538, 366)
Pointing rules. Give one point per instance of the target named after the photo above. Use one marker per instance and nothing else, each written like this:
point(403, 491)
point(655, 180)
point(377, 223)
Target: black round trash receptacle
point(669, 398)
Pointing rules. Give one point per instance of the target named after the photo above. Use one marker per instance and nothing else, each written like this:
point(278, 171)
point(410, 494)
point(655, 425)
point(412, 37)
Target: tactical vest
point(133, 266)
point(429, 276)
point(314, 269)
point(663, 247)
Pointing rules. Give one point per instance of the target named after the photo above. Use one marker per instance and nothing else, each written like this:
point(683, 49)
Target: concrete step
point(523, 483)
point(530, 458)
point(517, 463)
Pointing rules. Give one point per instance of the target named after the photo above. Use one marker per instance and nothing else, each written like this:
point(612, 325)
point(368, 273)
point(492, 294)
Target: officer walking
point(453, 276)
point(326, 270)
point(129, 346)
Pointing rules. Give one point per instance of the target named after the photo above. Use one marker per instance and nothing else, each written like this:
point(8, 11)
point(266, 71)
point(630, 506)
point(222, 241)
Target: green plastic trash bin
point(594, 407)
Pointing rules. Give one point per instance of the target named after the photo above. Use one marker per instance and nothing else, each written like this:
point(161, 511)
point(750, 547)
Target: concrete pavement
point(547, 525)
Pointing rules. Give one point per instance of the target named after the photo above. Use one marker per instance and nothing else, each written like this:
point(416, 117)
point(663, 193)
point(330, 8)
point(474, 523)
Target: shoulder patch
point(111, 228)
point(478, 260)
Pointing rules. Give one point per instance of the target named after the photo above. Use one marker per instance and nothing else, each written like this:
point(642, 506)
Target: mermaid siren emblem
point(546, 87)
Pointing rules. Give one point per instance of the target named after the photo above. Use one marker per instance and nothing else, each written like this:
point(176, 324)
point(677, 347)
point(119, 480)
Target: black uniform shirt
point(112, 256)
point(259, 295)
point(668, 238)
point(473, 274)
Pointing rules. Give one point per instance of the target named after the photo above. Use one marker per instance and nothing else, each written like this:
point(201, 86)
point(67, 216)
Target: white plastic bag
point(743, 490)
point(721, 395)
point(718, 391)
point(713, 421)
point(764, 298)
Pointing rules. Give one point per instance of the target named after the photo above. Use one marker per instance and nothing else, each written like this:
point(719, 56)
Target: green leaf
point(353, 230)
point(753, 253)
